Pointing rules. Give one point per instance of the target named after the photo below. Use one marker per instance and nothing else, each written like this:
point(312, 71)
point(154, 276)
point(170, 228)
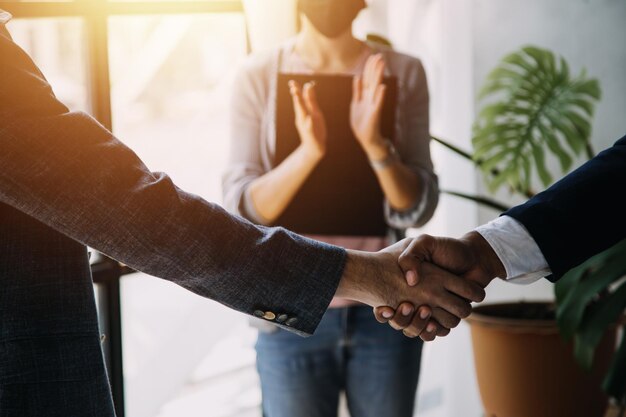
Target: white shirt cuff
point(517, 250)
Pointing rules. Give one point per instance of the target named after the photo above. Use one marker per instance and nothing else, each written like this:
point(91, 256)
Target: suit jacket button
point(291, 321)
point(281, 318)
point(258, 313)
point(269, 315)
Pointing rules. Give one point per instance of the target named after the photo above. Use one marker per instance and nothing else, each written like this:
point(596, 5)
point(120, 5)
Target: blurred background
point(160, 75)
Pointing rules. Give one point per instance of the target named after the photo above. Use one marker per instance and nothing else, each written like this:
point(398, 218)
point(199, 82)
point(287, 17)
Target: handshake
point(422, 286)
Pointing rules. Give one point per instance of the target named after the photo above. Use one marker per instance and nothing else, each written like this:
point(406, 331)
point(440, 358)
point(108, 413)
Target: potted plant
point(534, 109)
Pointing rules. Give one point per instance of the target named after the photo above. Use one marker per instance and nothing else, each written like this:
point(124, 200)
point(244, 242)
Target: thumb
point(419, 250)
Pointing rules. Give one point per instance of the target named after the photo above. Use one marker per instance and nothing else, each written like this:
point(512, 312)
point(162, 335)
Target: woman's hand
point(368, 93)
point(310, 120)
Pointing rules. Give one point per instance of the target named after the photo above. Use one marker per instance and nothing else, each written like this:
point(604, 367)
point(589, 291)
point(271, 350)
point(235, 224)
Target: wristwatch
point(392, 156)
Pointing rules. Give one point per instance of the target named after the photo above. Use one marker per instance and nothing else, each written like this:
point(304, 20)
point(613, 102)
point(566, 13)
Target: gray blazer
point(66, 177)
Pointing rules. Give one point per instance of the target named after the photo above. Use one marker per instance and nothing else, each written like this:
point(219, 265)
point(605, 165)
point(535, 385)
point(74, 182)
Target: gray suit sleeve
point(70, 173)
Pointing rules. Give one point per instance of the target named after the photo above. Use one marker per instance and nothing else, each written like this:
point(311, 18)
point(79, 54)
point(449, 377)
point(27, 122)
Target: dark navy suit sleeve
point(68, 172)
point(580, 215)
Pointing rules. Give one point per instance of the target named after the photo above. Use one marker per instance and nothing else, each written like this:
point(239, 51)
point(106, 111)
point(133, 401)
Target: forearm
point(401, 186)
point(95, 190)
point(271, 193)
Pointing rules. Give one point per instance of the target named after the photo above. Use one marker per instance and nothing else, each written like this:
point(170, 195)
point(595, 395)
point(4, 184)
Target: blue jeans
point(376, 366)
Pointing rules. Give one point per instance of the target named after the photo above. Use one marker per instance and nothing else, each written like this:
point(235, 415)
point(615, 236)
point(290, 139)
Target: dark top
point(342, 196)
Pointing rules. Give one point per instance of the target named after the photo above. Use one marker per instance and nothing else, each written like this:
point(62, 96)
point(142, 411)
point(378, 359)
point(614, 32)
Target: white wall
point(590, 34)
point(459, 43)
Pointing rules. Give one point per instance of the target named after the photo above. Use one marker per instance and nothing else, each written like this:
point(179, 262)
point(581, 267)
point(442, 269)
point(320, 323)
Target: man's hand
point(469, 257)
point(377, 279)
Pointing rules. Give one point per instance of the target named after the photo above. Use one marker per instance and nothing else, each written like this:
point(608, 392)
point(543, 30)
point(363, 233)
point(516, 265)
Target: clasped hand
point(379, 279)
point(468, 259)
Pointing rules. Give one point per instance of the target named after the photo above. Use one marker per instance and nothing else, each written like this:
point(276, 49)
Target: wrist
point(377, 148)
point(356, 282)
point(490, 263)
point(383, 156)
point(311, 153)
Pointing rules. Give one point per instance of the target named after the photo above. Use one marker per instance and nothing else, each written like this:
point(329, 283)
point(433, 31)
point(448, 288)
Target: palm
point(363, 120)
point(313, 129)
point(310, 121)
point(367, 101)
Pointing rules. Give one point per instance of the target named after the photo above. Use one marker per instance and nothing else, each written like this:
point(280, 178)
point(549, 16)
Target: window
point(159, 74)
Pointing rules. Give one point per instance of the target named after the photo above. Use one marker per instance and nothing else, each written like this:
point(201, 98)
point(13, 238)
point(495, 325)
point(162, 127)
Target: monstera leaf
point(533, 106)
point(591, 298)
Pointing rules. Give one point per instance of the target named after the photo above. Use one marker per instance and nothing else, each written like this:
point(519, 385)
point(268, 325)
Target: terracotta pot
point(525, 369)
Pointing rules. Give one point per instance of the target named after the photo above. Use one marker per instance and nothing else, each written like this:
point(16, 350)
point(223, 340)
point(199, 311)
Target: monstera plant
point(531, 107)
point(534, 109)
point(591, 298)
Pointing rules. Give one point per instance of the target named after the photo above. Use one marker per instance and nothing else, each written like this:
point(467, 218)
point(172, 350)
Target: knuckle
point(424, 239)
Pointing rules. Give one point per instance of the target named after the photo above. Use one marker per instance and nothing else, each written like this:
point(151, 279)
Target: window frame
point(95, 16)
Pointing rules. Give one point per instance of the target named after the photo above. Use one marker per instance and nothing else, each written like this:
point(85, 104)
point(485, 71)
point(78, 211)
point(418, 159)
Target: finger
point(411, 266)
point(454, 305)
point(419, 322)
point(430, 332)
point(465, 288)
point(443, 298)
point(383, 313)
point(298, 101)
point(379, 70)
point(310, 98)
point(371, 80)
point(445, 319)
point(419, 250)
point(367, 70)
point(379, 98)
point(357, 86)
point(403, 316)
point(442, 331)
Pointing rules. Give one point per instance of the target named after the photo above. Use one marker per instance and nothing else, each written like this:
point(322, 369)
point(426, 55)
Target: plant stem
point(453, 148)
point(496, 205)
point(494, 171)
